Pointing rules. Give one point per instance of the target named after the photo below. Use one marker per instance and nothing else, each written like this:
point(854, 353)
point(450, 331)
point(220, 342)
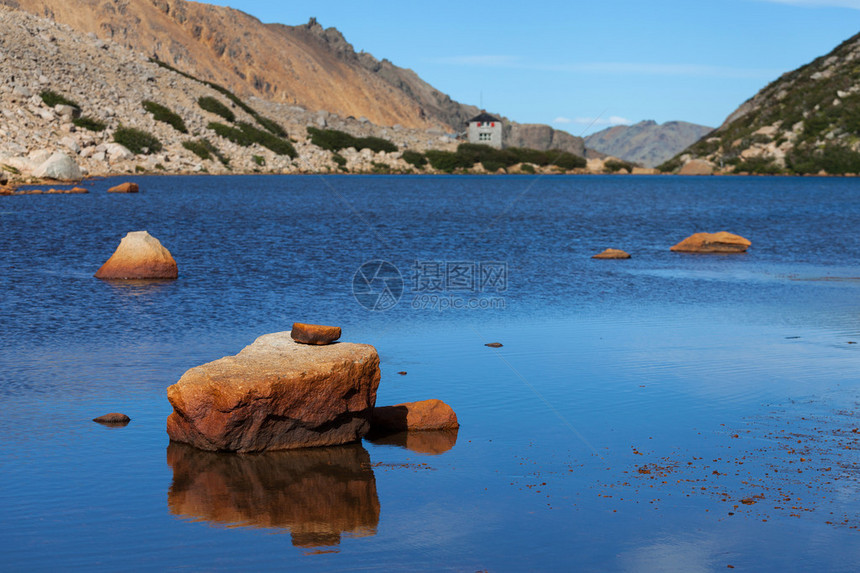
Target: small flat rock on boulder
point(612, 254)
point(721, 242)
point(113, 418)
point(276, 394)
point(125, 188)
point(139, 256)
point(423, 415)
point(314, 333)
point(59, 166)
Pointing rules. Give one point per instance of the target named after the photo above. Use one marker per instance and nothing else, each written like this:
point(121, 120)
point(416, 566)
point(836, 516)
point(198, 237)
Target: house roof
point(484, 117)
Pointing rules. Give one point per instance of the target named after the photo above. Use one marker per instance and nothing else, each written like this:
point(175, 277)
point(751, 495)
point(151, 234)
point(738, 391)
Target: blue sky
point(581, 66)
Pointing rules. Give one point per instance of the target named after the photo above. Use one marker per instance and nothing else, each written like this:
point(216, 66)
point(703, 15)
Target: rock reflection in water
point(316, 493)
point(433, 442)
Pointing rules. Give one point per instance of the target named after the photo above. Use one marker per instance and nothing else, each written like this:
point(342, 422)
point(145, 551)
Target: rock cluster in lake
point(277, 394)
point(139, 256)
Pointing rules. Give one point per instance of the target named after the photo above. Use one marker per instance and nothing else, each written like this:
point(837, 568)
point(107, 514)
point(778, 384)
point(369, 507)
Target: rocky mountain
point(807, 121)
point(307, 65)
point(62, 92)
point(647, 142)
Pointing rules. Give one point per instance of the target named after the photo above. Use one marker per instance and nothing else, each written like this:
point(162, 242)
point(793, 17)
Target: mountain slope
point(647, 142)
point(807, 121)
point(302, 65)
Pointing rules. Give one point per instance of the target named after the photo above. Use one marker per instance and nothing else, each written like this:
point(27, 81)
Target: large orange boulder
point(423, 415)
point(721, 242)
point(318, 494)
point(276, 394)
point(139, 256)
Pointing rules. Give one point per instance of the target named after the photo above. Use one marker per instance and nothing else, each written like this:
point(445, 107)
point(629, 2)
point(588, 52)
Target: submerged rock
point(276, 394)
point(113, 419)
point(125, 188)
point(314, 333)
point(139, 256)
point(721, 242)
point(612, 254)
point(423, 415)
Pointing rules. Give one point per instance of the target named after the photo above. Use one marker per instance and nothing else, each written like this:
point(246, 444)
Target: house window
point(485, 137)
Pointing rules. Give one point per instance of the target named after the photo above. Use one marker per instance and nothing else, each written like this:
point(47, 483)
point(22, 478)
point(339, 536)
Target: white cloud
point(562, 120)
point(601, 121)
point(853, 4)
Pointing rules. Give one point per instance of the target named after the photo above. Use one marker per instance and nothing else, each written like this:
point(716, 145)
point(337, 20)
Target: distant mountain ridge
point(807, 121)
point(647, 142)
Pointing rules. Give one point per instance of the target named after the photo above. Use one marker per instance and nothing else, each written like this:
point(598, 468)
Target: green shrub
point(165, 115)
point(270, 125)
point(447, 161)
point(616, 165)
point(492, 165)
point(204, 149)
point(758, 166)
point(670, 165)
point(137, 141)
point(246, 135)
point(414, 158)
point(52, 98)
point(212, 105)
point(335, 140)
point(567, 160)
point(259, 160)
point(339, 159)
point(87, 122)
point(834, 159)
point(527, 168)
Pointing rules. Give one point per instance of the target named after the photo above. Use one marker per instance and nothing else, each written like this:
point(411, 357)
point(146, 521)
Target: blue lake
point(667, 412)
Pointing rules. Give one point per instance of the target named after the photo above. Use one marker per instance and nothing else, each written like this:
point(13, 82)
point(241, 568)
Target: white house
point(485, 129)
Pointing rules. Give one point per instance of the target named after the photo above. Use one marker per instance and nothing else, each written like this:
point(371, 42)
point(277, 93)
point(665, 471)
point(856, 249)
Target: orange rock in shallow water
point(424, 415)
point(276, 395)
point(314, 333)
point(125, 188)
point(612, 254)
point(139, 256)
point(721, 242)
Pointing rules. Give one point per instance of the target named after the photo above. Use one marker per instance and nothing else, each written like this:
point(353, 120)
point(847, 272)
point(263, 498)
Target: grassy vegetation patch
point(52, 98)
point(212, 105)
point(137, 141)
point(245, 134)
point(414, 158)
point(165, 115)
point(204, 149)
point(335, 140)
point(616, 165)
point(89, 123)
